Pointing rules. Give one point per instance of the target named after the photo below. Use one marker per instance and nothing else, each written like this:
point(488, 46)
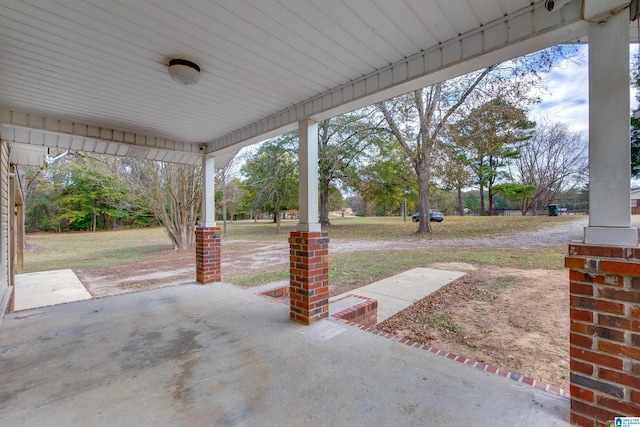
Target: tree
point(386, 178)
point(471, 200)
point(577, 198)
point(93, 195)
point(229, 191)
point(443, 199)
point(80, 191)
point(635, 144)
point(271, 176)
point(41, 195)
point(172, 192)
point(357, 204)
point(233, 191)
point(514, 192)
point(489, 137)
point(41, 190)
point(418, 120)
point(453, 171)
point(336, 199)
point(76, 191)
point(553, 160)
point(342, 142)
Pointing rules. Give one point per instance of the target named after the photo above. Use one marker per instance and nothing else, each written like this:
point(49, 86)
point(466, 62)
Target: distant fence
point(539, 212)
point(508, 212)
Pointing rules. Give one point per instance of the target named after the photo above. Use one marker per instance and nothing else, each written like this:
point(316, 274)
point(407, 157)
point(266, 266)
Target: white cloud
point(566, 98)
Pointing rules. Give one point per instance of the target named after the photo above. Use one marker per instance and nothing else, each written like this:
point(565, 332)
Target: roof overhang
point(92, 80)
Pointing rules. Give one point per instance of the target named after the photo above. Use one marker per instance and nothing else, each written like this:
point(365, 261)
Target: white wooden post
point(308, 157)
point(208, 217)
point(609, 150)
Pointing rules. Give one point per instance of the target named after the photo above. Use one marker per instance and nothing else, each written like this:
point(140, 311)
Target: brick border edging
point(549, 388)
point(275, 294)
point(364, 314)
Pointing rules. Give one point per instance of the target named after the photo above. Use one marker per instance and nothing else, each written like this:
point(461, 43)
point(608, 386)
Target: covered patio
point(95, 77)
point(218, 355)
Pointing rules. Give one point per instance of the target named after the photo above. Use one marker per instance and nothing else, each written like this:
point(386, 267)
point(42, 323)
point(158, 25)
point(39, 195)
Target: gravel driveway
point(551, 236)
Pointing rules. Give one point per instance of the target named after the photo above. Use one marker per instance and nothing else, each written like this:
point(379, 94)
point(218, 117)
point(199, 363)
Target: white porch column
point(308, 190)
point(609, 151)
point(208, 217)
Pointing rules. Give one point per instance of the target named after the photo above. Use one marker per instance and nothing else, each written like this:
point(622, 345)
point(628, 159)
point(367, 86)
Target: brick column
point(309, 276)
point(208, 255)
point(605, 333)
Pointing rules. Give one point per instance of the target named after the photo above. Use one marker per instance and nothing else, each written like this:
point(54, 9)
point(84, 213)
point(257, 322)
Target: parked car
point(434, 215)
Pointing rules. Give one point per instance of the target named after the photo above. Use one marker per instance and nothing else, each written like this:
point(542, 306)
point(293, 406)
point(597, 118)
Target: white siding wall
point(4, 228)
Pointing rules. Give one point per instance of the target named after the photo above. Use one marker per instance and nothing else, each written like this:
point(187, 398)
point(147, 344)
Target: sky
point(567, 92)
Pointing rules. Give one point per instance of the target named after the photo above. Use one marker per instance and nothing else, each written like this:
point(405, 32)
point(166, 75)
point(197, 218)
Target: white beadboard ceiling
point(93, 73)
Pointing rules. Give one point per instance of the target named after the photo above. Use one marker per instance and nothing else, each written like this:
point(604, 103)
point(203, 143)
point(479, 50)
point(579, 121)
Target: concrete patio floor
point(48, 288)
point(219, 355)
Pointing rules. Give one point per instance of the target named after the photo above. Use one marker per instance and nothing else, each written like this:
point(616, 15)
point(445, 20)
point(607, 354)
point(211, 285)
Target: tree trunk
point(481, 199)
point(460, 207)
point(422, 172)
point(185, 241)
point(277, 218)
point(224, 207)
point(324, 205)
point(490, 200)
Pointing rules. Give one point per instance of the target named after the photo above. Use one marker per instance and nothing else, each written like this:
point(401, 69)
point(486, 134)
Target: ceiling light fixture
point(184, 72)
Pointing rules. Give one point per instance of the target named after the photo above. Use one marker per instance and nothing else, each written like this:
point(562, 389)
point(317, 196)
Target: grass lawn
point(364, 267)
point(53, 251)
point(49, 251)
point(360, 268)
point(357, 268)
point(370, 228)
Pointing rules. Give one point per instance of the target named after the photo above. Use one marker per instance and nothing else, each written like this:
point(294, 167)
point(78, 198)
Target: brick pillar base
point(605, 333)
point(309, 276)
point(208, 255)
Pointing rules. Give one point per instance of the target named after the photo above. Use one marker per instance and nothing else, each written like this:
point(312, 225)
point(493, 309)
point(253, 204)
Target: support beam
point(308, 155)
point(208, 236)
point(309, 246)
point(609, 151)
point(20, 238)
point(605, 269)
point(38, 132)
point(208, 217)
